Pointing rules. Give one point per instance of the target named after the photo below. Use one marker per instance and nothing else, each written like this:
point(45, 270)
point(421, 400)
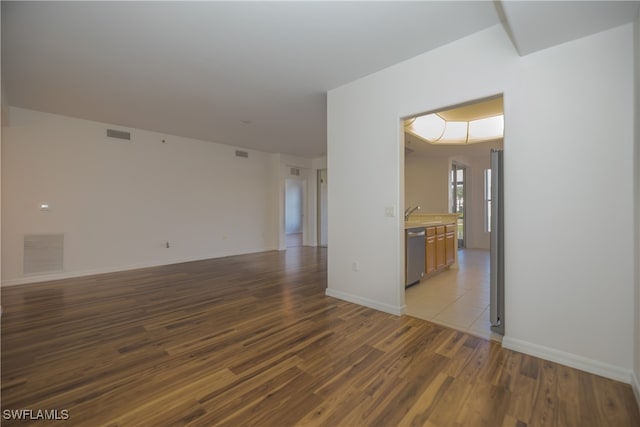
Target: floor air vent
point(43, 253)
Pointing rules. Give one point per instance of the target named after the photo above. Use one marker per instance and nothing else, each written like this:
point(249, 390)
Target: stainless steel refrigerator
point(497, 243)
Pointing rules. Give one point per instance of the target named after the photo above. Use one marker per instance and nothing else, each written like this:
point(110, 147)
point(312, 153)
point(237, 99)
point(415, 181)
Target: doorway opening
point(293, 212)
point(447, 153)
point(458, 193)
point(322, 208)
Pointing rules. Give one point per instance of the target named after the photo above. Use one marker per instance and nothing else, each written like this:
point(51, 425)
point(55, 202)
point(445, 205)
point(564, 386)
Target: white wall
point(636, 379)
point(4, 121)
point(569, 283)
point(319, 163)
point(119, 202)
point(426, 183)
point(4, 109)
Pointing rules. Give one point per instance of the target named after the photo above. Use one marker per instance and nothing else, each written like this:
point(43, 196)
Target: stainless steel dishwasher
point(414, 242)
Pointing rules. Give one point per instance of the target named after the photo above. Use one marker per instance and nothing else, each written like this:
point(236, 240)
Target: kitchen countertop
point(416, 224)
point(423, 220)
point(420, 219)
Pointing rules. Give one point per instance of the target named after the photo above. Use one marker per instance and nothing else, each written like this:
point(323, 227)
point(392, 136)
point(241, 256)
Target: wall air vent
point(294, 171)
point(43, 253)
point(120, 134)
point(240, 153)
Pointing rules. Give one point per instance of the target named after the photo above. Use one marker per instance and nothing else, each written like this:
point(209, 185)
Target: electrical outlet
point(355, 266)
point(390, 211)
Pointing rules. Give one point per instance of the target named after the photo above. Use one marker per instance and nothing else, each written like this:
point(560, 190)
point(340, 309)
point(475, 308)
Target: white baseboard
point(569, 359)
point(103, 270)
point(376, 305)
point(635, 385)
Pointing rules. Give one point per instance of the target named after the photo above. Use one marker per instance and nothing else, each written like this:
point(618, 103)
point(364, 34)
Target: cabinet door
point(450, 244)
point(440, 252)
point(430, 253)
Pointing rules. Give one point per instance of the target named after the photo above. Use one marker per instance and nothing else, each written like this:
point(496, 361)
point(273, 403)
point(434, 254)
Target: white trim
point(103, 270)
point(569, 359)
point(376, 305)
point(635, 386)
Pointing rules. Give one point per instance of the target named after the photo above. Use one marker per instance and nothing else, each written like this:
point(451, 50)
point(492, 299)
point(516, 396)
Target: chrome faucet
point(409, 211)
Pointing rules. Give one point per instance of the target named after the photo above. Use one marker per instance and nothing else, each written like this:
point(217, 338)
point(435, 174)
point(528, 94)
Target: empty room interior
point(320, 213)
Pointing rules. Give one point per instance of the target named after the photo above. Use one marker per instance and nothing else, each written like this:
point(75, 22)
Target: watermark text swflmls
point(35, 414)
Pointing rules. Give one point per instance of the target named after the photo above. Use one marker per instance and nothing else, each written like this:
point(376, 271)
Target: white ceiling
point(538, 25)
point(201, 69)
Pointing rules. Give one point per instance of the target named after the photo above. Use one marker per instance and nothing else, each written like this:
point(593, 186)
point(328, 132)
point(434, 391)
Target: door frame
point(455, 166)
point(302, 207)
point(320, 205)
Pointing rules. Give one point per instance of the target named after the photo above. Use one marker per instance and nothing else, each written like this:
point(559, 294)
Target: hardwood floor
point(253, 341)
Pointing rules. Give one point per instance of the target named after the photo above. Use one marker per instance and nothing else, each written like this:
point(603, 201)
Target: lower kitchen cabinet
point(440, 250)
point(450, 244)
point(430, 250)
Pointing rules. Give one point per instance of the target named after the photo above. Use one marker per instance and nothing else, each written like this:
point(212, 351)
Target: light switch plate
point(390, 211)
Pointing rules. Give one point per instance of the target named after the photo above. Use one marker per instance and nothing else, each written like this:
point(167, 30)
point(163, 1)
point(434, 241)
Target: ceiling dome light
point(486, 129)
point(454, 133)
point(430, 127)
point(435, 130)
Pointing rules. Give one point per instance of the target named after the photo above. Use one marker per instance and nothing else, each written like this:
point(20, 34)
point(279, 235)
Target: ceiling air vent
point(294, 171)
point(120, 134)
point(240, 153)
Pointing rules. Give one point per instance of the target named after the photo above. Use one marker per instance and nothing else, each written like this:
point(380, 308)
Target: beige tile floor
point(457, 298)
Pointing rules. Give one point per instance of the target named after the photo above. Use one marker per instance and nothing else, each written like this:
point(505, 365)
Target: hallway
point(293, 240)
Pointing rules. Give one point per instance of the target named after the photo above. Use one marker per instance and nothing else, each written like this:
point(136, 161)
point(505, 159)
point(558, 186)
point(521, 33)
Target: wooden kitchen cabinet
point(441, 260)
point(430, 250)
point(440, 249)
point(450, 246)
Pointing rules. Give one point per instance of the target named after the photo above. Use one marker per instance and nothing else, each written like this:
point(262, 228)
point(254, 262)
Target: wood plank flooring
point(252, 340)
